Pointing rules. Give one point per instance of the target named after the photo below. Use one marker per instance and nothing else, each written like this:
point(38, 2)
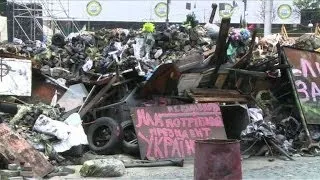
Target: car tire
point(58, 40)
point(130, 142)
point(104, 136)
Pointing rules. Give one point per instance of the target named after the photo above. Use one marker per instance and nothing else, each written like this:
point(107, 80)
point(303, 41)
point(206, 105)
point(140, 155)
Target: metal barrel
point(217, 159)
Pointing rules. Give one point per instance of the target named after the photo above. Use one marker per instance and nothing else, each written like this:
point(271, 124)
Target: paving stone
point(27, 168)
point(13, 166)
point(16, 178)
point(9, 173)
point(26, 173)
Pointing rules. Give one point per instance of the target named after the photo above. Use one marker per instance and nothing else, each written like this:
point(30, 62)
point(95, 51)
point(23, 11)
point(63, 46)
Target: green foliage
point(191, 20)
point(307, 4)
point(308, 9)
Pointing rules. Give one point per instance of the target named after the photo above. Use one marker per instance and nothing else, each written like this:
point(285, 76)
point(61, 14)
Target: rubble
point(17, 150)
point(308, 41)
point(102, 168)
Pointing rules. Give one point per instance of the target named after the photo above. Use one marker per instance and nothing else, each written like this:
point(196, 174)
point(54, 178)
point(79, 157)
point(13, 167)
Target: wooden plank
point(221, 80)
point(209, 52)
point(251, 73)
point(221, 48)
point(218, 99)
point(169, 131)
point(16, 149)
point(214, 91)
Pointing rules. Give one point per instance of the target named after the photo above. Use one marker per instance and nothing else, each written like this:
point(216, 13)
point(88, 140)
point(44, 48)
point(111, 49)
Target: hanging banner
point(306, 76)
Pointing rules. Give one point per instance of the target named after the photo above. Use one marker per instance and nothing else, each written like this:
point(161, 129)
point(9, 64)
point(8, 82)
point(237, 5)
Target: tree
point(309, 10)
point(307, 4)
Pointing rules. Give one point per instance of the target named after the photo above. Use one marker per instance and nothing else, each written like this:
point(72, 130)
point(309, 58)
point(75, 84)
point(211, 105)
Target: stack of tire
point(107, 136)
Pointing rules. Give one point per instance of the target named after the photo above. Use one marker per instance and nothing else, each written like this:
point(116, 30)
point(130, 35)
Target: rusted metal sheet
point(163, 80)
point(217, 159)
point(306, 77)
point(18, 150)
point(10, 55)
point(97, 97)
point(43, 92)
point(169, 131)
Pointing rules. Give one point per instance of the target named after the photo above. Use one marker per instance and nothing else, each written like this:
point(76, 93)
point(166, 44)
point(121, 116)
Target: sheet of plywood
point(17, 150)
point(15, 77)
point(166, 132)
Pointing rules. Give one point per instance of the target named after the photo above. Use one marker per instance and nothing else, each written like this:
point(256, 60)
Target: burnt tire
point(104, 136)
point(130, 142)
point(58, 40)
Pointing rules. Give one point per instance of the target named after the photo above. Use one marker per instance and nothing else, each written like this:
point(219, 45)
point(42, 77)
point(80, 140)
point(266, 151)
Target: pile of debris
point(94, 79)
point(308, 42)
point(97, 51)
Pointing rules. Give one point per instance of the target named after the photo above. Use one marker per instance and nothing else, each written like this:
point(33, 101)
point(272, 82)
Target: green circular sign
point(227, 12)
point(94, 8)
point(284, 11)
point(161, 9)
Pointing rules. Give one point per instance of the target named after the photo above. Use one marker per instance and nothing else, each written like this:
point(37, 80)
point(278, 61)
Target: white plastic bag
point(49, 126)
point(255, 114)
point(88, 65)
point(212, 30)
point(76, 137)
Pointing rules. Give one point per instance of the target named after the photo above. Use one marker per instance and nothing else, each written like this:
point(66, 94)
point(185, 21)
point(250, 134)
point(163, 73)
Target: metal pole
point(268, 4)
point(296, 96)
point(244, 10)
point(13, 30)
point(167, 19)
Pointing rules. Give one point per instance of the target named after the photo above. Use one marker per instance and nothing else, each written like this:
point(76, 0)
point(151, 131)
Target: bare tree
point(262, 12)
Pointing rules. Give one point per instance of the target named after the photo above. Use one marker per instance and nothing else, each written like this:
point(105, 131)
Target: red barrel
point(217, 159)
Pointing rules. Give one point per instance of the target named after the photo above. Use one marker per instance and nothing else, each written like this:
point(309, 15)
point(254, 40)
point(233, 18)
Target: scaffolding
point(39, 14)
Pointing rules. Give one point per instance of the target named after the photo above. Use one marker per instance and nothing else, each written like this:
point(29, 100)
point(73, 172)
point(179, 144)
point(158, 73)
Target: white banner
point(155, 10)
